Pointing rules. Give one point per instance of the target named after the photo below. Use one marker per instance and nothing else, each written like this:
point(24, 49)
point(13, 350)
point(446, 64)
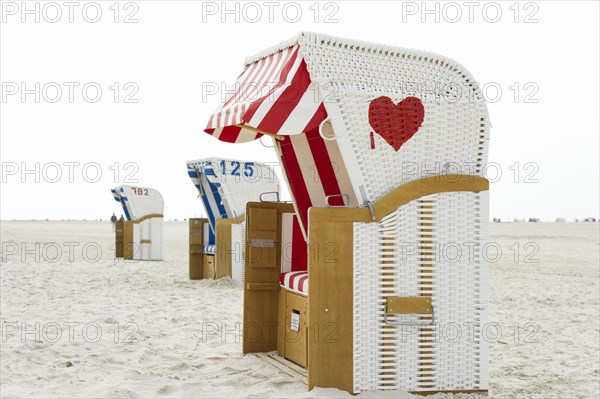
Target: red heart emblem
point(396, 123)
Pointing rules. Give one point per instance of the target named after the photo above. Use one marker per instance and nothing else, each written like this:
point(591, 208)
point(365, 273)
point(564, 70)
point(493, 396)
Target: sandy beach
point(77, 323)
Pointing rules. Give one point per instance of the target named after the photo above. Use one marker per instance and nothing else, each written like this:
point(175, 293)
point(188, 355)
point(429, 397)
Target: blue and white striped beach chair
point(139, 237)
point(225, 186)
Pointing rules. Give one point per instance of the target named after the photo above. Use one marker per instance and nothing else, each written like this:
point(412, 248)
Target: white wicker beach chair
point(384, 150)
point(140, 236)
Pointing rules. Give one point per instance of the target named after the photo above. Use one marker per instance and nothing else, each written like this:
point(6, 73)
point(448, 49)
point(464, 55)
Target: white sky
point(171, 52)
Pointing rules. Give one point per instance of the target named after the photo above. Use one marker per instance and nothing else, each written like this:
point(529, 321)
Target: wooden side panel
point(263, 236)
point(119, 236)
point(224, 248)
point(295, 341)
point(196, 245)
point(260, 304)
point(281, 322)
point(330, 282)
point(208, 266)
point(129, 247)
point(264, 224)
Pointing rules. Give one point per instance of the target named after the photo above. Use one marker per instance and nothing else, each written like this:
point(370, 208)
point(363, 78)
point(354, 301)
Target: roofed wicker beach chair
point(225, 186)
point(374, 275)
point(140, 236)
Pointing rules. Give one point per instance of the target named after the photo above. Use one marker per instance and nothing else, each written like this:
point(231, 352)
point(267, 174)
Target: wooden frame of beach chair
point(386, 172)
point(139, 237)
point(196, 248)
point(343, 248)
point(206, 264)
point(119, 238)
point(225, 185)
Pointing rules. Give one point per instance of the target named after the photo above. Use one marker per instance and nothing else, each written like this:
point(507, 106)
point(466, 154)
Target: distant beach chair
point(225, 186)
point(140, 236)
point(383, 149)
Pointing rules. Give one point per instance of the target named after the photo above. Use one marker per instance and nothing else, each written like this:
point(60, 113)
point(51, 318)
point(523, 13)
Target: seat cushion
point(295, 281)
point(209, 249)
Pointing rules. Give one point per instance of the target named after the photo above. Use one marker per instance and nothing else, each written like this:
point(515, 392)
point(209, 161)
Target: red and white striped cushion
point(295, 281)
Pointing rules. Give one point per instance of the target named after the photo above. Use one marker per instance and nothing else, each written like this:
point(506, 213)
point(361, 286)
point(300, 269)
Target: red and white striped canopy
point(273, 95)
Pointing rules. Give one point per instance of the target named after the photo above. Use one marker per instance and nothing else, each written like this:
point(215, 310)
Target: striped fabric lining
point(274, 95)
point(202, 175)
point(119, 195)
point(209, 249)
point(293, 245)
point(295, 281)
point(209, 236)
point(314, 167)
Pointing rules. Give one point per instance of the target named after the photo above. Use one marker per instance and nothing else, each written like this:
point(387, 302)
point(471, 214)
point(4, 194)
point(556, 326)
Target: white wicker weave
point(238, 240)
point(455, 130)
point(412, 258)
point(366, 294)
